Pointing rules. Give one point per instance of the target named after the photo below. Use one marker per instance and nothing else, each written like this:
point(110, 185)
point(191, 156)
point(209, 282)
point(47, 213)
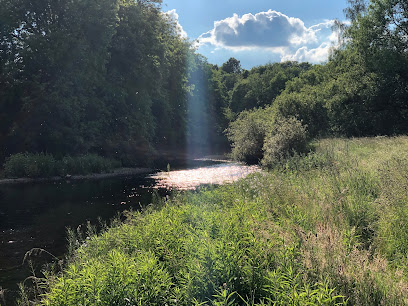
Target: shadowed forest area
point(90, 86)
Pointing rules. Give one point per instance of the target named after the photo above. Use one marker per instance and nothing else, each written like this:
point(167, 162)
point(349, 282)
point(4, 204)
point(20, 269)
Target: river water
point(37, 215)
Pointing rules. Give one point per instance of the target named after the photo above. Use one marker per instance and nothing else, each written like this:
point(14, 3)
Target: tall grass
point(324, 229)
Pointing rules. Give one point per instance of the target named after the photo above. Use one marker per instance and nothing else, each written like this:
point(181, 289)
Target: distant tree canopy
point(361, 91)
point(232, 66)
point(237, 89)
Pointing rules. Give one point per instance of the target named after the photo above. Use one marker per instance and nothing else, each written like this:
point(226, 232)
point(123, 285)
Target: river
point(37, 215)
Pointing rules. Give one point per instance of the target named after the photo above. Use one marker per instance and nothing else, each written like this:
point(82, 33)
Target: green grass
point(329, 228)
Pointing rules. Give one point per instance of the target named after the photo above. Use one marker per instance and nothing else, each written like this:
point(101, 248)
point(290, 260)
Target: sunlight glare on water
point(192, 178)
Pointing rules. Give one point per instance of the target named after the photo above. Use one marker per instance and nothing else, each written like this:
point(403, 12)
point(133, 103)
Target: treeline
point(116, 79)
point(111, 77)
point(361, 91)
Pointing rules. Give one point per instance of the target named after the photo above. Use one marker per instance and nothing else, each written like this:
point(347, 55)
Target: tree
point(355, 9)
point(380, 37)
point(232, 66)
point(90, 76)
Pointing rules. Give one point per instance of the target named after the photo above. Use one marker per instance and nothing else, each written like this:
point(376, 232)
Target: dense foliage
point(361, 91)
point(287, 138)
point(108, 77)
point(247, 135)
point(323, 229)
point(45, 165)
point(261, 136)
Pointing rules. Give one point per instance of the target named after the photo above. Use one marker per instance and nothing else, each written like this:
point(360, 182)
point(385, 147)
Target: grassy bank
point(327, 229)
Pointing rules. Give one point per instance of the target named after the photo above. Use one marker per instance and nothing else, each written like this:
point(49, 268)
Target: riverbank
point(37, 215)
point(116, 172)
point(328, 228)
point(29, 168)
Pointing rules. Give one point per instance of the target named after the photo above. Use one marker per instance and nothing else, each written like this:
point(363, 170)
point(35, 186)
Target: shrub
point(308, 106)
point(45, 165)
point(30, 165)
point(287, 137)
point(247, 134)
point(15, 165)
point(90, 163)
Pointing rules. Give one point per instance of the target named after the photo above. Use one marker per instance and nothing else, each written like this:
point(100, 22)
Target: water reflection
point(36, 215)
point(190, 179)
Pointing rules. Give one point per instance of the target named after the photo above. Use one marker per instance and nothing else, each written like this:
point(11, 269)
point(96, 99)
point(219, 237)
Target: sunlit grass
point(324, 229)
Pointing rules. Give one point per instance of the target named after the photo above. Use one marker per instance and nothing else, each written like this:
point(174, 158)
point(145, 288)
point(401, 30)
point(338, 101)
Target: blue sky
point(259, 31)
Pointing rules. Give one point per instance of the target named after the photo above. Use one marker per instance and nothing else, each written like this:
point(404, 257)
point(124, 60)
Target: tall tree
point(380, 36)
point(83, 76)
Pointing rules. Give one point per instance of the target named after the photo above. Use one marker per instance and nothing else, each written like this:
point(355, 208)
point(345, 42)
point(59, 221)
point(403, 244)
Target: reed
point(35, 165)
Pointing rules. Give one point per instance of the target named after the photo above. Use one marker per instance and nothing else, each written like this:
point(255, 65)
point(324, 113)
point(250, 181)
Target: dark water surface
point(37, 215)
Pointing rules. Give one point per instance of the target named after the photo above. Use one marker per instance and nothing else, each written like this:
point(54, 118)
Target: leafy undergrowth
point(329, 228)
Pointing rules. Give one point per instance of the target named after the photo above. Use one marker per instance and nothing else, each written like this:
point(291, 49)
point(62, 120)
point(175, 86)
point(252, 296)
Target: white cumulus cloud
point(269, 29)
point(315, 53)
point(304, 54)
point(173, 15)
point(285, 36)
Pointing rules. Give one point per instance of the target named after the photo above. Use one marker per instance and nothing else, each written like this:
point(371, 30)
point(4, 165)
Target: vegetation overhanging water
point(321, 229)
point(36, 215)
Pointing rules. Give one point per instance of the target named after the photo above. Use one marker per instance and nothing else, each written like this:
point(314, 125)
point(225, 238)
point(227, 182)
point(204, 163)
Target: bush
point(287, 137)
point(30, 165)
point(308, 106)
point(15, 165)
point(247, 134)
point(85, 164)
point(35, 165)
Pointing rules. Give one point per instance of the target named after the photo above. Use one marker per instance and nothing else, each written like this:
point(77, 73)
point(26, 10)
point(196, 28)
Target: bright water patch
point(190, 179)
